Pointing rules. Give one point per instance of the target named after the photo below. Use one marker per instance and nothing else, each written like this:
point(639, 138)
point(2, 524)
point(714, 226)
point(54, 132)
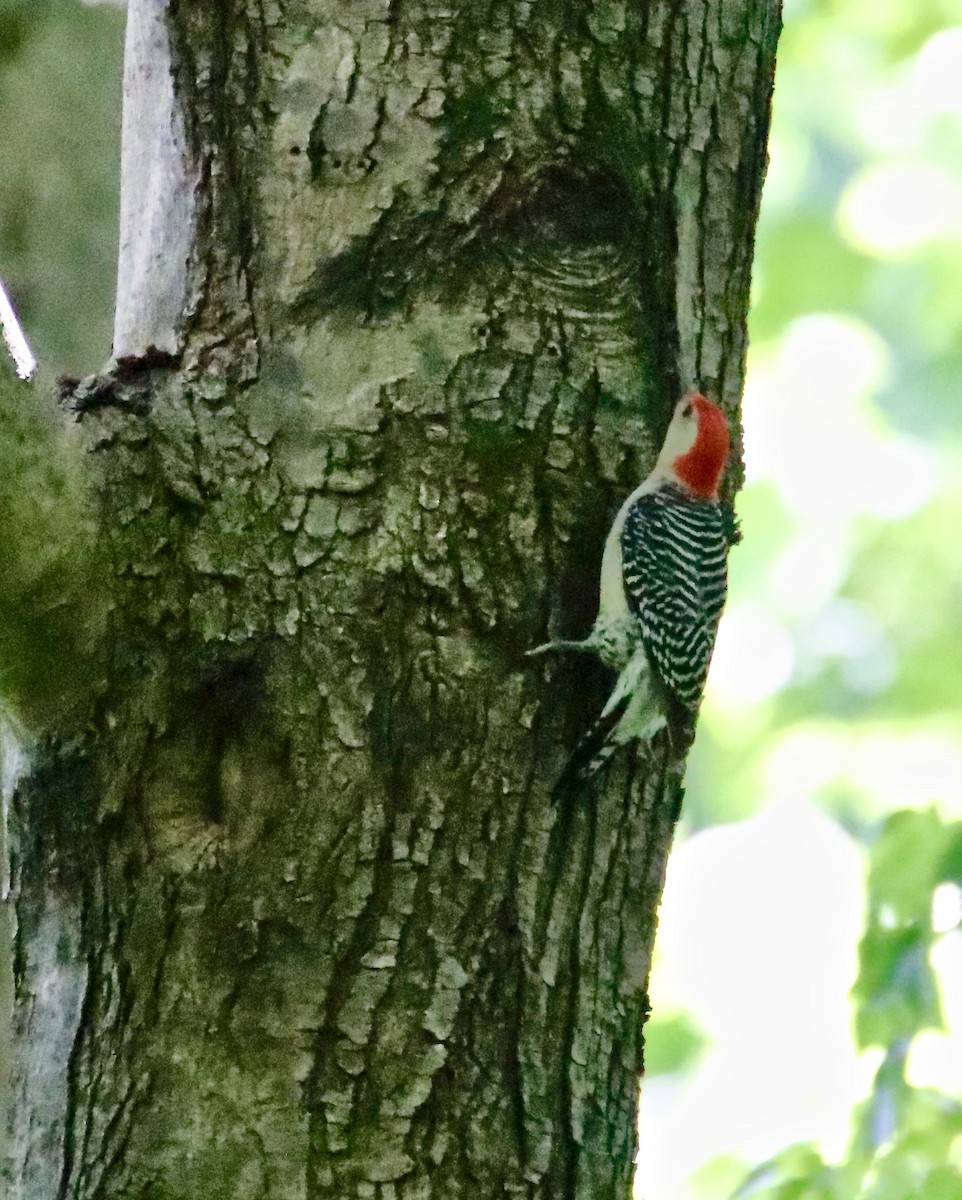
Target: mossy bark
point(296, 914)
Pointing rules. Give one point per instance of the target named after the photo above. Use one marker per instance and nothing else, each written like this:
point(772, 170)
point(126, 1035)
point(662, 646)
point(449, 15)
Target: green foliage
point(915, 1161)
point(896, 994)
point(672, 1043)
point(52, 604)
point(60, 90)
point(60, 73)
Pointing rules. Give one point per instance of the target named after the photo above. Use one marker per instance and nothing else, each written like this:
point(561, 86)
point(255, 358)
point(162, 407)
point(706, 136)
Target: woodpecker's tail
point(635, 712)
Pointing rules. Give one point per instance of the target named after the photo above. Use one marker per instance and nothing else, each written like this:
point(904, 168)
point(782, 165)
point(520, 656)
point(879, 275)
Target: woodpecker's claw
point(583, 647)
point(538, 650)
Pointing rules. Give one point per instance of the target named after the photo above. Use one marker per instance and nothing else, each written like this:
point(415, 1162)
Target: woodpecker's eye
point(687, 410)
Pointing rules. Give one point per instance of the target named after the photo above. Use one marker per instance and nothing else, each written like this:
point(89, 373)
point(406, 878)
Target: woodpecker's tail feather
point(681, 727)
point(635, 712)
point(594, 747)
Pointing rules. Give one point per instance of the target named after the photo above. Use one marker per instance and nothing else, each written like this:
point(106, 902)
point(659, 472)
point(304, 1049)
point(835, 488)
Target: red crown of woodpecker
point(702, 467)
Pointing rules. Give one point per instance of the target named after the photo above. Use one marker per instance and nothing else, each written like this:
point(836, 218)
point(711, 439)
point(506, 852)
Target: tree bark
point(407, 293)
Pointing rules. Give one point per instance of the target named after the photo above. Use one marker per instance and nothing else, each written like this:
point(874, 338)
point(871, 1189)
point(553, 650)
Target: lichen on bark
point(317, 926)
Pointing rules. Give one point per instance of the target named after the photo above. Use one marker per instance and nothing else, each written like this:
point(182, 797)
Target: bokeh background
point(807, 1036)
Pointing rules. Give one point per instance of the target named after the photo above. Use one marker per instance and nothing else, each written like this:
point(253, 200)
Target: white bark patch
point(376, 141)
point(343, 370)
point(450, 979)
point(15, 338)
point(157, 191)
point(13, 763)
point(49, 1019)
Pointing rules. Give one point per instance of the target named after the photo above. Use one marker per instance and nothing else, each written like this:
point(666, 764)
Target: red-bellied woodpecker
point(663, 586)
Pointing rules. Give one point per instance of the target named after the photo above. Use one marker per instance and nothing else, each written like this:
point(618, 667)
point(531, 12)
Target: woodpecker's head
point(696, 446)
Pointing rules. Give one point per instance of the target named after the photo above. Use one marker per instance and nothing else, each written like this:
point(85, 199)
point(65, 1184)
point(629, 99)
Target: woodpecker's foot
point(584, 647)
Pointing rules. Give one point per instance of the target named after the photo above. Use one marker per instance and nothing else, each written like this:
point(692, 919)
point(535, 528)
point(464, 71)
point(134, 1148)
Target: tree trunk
point(407, 293)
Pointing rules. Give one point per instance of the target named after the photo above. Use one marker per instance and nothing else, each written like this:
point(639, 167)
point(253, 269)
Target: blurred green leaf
point(895, 993)
point(943, 1183)
point(904, 867)
point(673, 1041)
point(719, 1177)
point(797, 1173)
point(806, 268)
point(14, 27)
point(950, 868)
point(916, 1161)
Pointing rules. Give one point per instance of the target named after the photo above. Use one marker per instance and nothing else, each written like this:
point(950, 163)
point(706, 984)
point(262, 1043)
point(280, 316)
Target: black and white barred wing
point(674, 558)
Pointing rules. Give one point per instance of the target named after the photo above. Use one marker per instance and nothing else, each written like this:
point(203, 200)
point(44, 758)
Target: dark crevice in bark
point(74, 1094)
point(393, 751)
point(569, 1146)
point(703, 211)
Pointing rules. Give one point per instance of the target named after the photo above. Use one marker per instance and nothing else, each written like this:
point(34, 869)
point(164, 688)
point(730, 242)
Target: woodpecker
point(663, 586)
